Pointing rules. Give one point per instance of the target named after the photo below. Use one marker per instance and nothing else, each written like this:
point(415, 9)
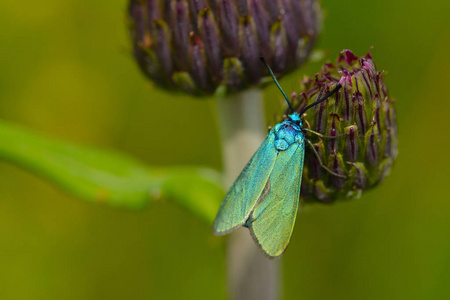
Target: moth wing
point(272, 221)
point(247, 188)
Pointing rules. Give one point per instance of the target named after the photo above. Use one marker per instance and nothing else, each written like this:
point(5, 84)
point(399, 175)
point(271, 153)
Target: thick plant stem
point(251, 275)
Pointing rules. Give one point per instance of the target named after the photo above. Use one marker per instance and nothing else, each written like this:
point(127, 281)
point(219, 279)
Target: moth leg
point(320, 161)
point(324, 136)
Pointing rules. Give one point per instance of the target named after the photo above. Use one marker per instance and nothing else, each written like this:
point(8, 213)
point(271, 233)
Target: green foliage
point(110, 177)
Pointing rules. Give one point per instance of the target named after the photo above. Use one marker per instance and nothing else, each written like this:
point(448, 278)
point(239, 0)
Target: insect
point(265, 196)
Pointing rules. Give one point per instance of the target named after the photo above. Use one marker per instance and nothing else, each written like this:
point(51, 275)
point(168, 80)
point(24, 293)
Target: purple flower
point(361, 114)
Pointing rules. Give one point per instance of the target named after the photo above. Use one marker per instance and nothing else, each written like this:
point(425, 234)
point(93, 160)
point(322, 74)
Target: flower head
point(360, 115)
point(200, 45)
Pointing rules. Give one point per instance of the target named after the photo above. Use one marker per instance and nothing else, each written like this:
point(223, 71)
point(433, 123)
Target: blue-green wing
point(246, 190)
point(272, 221)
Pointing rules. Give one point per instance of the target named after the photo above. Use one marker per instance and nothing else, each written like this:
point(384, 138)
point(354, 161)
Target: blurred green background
point(66, 70)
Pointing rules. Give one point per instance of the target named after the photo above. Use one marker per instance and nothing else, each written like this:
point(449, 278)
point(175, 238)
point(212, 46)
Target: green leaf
point(109, 177)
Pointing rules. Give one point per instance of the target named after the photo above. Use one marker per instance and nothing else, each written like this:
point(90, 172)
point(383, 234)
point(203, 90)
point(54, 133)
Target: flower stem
point(251, 275)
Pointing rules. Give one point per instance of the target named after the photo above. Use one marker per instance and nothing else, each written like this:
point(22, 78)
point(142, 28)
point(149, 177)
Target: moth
point(265, 196)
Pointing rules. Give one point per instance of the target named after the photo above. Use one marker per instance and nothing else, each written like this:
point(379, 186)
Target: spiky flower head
point(199, 46)
point(363, 113)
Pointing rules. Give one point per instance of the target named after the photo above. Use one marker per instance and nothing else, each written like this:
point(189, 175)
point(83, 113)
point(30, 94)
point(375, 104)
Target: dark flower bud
point(361, 117)
point(199, 46)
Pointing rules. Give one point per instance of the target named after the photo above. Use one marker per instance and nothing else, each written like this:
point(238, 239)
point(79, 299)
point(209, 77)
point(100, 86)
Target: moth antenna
point(276, 82)
point(337, 88)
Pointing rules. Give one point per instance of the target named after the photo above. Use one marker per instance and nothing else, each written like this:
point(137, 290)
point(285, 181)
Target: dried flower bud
point(361, 115)
point(198, 46)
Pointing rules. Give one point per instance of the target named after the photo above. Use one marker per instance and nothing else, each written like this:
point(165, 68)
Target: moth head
point(295, 117)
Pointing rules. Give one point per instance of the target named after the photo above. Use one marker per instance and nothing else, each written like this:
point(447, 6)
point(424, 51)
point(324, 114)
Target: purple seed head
point(198, 46)
point(361, 117)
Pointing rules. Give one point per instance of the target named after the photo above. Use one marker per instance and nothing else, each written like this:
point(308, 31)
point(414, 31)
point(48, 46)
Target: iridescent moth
point(265, 196)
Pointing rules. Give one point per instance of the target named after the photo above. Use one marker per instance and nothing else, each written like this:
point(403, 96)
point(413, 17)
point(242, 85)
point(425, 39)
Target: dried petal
point(351, 143)
point(261, 20)
point(229, 24)
point(198, 63)
point(279, 43)
point(360, 112)
point(195, 7)
point(210, 37)
point(371, 143)
point(337, 166)
point(315, 170)
point(181, 27)
point(359, 176)
point(162, 47)
point(233, 73)
point(250, 53)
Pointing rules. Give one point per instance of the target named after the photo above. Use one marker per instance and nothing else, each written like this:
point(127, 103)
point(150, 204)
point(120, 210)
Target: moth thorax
point(288, 134)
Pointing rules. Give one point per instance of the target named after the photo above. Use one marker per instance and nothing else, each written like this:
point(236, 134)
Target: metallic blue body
point(265, 196)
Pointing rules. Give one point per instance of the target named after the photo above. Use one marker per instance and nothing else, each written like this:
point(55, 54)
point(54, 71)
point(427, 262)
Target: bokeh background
point(66, 70)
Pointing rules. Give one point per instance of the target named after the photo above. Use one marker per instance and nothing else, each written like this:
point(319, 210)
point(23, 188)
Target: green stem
point(251, 275)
